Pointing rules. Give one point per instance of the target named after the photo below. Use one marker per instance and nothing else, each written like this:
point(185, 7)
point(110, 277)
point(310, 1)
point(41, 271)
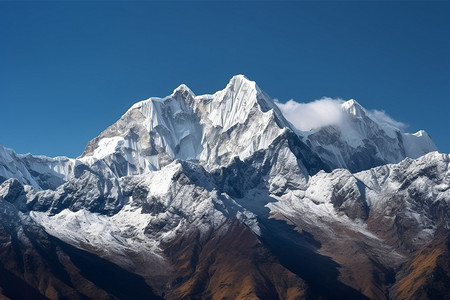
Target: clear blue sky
point(70, 69)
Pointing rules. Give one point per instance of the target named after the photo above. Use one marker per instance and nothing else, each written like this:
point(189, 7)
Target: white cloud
point(328, 111)
point(307, 116)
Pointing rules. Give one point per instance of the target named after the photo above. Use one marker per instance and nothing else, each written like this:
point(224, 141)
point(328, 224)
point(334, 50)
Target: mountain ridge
point(162, 192)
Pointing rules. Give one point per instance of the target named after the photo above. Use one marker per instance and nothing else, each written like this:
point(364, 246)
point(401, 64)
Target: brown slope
point(229, 263)
point(347, 258)
point(361, 267)
point(427, 275)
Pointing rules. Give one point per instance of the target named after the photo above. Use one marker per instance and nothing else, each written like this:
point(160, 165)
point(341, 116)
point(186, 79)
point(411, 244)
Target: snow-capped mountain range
point(167, 192)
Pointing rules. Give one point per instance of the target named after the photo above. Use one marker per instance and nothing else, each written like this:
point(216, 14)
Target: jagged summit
point(241, 82)
point(212, 129)
point(240, 79)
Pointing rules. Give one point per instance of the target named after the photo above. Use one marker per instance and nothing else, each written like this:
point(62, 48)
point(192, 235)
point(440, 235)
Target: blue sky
point(70, 69)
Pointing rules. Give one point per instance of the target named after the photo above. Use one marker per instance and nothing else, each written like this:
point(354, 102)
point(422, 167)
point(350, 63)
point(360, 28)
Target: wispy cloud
point(380, 116)
point(328, 111)
point(316, 114)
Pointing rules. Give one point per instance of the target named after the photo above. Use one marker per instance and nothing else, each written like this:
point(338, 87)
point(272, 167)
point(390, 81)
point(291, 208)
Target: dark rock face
point(348, 197)
point(12, 191)
point(47, 181)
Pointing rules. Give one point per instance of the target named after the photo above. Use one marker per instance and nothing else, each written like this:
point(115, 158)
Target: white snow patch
point(112, 236)
point(108, 146)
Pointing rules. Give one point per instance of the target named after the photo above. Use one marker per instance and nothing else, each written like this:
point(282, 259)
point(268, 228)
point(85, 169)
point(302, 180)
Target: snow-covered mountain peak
point(354, 108)
point(240, 79)
point(182, 88)
point(241, 98)
point(421, 133)
point(236, 87)
point(363, 139)
point(418, 143)
point(210, 129)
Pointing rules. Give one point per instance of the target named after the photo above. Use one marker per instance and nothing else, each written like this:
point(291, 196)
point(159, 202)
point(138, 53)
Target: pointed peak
point(354, 108)
point(182, 88)
point(421, 133)
point(240, 80)
point(351, 102)
point(239, 77)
